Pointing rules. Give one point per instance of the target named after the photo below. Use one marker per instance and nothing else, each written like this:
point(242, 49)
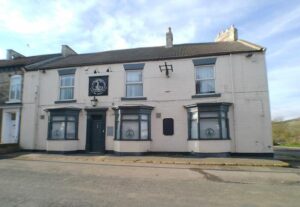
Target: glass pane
point(144, 117)
point(209, 128)
point(18, 92)
point(67, 80)
point(205, 86)
point(134, 90)
point(204, 72)
point(66, 93)
point(130, 117)
point(70, 130)
point(58, 130)
point(224, 129)
point(58, 118)
point(208, 114)
point(144, 130)
point(130, 130)
point(194, 129)
point(134, 76)
point(71, 118)
point(12, 93)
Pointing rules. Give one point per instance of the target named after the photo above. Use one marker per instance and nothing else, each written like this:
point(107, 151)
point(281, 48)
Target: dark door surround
point(95, 116)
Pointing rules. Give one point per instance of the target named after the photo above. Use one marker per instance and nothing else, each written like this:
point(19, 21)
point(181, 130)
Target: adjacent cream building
point(203, 98)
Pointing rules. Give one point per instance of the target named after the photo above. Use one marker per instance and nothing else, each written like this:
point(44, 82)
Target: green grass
point(286, 133)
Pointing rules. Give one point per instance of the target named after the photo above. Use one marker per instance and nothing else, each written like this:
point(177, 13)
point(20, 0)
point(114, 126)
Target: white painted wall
point(240, 80)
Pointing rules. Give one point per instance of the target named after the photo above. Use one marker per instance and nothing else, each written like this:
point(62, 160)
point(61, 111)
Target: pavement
point(92, 158)
point(64, 181)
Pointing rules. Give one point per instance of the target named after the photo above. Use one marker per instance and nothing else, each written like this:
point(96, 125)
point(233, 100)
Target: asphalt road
point(57, 184)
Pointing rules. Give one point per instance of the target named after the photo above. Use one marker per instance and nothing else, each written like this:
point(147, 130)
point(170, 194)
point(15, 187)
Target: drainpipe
point(36, 117)
point(233, 103)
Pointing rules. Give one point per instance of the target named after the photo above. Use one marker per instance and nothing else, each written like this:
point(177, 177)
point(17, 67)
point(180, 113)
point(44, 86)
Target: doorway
point(95, 142)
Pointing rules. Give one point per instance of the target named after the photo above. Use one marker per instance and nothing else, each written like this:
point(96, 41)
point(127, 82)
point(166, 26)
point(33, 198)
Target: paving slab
point(149, 159)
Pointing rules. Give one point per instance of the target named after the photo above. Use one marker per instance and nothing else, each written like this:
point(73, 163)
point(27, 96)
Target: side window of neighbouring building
point(205, 75)
point(134, 80)
point(66, 84)
point(15, 88)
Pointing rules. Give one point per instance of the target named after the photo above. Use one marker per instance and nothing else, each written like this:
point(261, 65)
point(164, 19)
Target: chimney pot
point(230, 34)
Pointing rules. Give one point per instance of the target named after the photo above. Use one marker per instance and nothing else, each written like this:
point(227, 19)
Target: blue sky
point(39, 27)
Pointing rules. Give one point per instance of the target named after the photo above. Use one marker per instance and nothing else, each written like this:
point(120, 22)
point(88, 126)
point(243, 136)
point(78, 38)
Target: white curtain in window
point(209, 128)
point(70, 130)
point(134, 90)
point(130, 129)
point(58, 130)
point(15, 88)
point(66, 87)
point(204, 72)
point(144, 129)
point(134, 76)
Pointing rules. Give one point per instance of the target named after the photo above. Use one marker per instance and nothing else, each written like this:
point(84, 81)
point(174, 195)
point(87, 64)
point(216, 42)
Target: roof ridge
point(43, 62)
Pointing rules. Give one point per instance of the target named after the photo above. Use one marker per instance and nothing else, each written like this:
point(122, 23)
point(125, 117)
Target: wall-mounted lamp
point(166, 68)
point(94, 101)
point(108, 69)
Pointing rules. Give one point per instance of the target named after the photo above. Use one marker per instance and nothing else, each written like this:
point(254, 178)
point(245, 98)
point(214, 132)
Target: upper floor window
point(205, 79)
point(134, 80)
point(15, 88)
point(134, 83)
point(205, 75)
point(66, 90)
point(66, 84)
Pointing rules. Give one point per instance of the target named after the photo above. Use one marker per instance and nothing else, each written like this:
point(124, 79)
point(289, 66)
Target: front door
point(97, 134)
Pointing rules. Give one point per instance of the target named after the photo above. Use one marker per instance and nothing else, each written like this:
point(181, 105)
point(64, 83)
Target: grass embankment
point(286, 133)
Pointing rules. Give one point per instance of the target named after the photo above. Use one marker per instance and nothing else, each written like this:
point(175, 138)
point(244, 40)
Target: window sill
point(207, 139)
point(142, 140)
point(62, 139)
point(13, 102)
point(65, 101)
point(132, 98)
point(206, 95)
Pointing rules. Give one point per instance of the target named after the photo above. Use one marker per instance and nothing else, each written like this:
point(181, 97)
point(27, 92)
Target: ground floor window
point(208, 121)
point(133, 123)
point(63, 124)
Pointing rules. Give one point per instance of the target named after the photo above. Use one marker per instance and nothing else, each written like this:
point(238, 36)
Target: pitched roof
point(149, 54)
point(22, 61)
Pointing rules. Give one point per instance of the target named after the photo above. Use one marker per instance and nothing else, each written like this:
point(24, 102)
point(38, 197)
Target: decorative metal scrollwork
point(209, 132)
point(129, 133)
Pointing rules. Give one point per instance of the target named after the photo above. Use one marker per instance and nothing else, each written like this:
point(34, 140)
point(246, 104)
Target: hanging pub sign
point(98, 86)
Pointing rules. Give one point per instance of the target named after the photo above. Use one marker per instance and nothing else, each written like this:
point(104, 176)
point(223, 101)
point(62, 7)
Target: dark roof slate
point(23, 61)
point(149, 54)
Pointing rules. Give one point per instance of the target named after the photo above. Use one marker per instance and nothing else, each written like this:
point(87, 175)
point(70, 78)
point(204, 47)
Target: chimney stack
point(169, 38)
point(230, 34)
point(66, 51)
point(11, 54)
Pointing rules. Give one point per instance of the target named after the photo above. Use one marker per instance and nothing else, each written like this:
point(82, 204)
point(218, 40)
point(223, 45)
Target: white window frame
point(134, 83)
point(63, 87)
point(15, 99)
point(214, 78)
